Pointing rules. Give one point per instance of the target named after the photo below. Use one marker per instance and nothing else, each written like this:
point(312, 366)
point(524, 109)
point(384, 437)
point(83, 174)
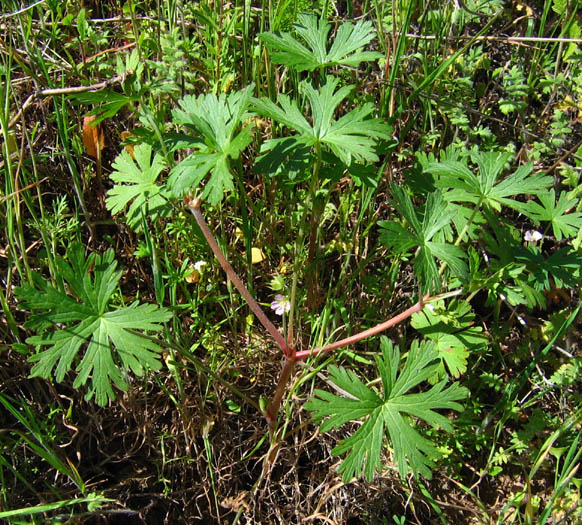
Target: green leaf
point(563, 266)
point(136, 187)
point(389, 411)
point(564, 224)
point(217, 121)
point(351, 137)
point(108, 103)
point(284, 156)
point(486, 188)
point(113, 340)
point(419, 233)
point(453, 331)
point(346, 49)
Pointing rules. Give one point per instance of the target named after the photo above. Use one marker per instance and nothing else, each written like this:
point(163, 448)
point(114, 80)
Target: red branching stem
point(194, 205)
point(291, 357)
point(273, 408)
point(366, 333)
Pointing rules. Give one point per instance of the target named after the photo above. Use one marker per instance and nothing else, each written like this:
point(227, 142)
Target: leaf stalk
point(291, 356)
point(194, 205)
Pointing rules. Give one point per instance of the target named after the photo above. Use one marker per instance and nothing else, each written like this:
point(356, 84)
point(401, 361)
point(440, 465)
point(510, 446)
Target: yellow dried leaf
point(193, 275)
point(257, 255)
point(238, 234)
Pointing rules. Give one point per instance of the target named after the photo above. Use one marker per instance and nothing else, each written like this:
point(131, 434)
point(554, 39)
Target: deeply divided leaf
point(388, 412)
point(420, 234)
point(454, 332)
point(220, 123)
point(351, 137)
point(112, 340)
point(314, 53)
point(135, 186)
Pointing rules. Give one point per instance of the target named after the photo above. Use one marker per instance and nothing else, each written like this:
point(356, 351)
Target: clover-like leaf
point(346, 49)
point(351, 137)
point(136, 187)
point(388, 411)
point(219, 136)
point(418, 235)
point(114, 340)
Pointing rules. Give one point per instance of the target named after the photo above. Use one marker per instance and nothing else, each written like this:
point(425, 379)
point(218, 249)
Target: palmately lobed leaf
point(563, 266)
point(223, 130)
point(565, 220)
point(390, 412)
point(418, 233)
point(454, 332)
point(344, 409)
point(486, 187)
point(136, 189)
point(44, 297)
point(351, 137)
point(364, 449)
point(287, 113)
point(214, 118)
point(346, 49)
point(64, 347)
point(113, 340)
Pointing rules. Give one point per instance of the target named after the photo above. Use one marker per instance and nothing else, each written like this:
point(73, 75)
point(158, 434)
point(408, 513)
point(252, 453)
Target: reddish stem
point(273, 408)
point(194, 205)
point(291, 357)
point(366, 333)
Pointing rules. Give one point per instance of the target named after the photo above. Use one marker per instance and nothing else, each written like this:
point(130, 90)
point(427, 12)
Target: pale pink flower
point(281, 304)
point(533, 236)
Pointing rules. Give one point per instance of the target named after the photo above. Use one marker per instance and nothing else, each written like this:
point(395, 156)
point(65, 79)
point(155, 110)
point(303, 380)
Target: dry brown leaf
point(128, 147)
point(93, 137)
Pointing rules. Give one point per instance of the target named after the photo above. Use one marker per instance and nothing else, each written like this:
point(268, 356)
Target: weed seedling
point(411, 449)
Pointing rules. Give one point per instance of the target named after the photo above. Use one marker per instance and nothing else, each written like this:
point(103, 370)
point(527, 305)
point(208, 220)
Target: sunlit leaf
point(454, 332)
point(222, 131)
point(566, 221)
point(111, 340)
point(135, 174)
point(388, 411)
point(486, 187)
point(346, 49)
point(352, 137)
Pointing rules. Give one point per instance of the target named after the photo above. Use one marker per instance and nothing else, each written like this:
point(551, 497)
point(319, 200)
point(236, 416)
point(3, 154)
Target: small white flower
point(199, 264)
point(281, 304)
point(533, 236)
